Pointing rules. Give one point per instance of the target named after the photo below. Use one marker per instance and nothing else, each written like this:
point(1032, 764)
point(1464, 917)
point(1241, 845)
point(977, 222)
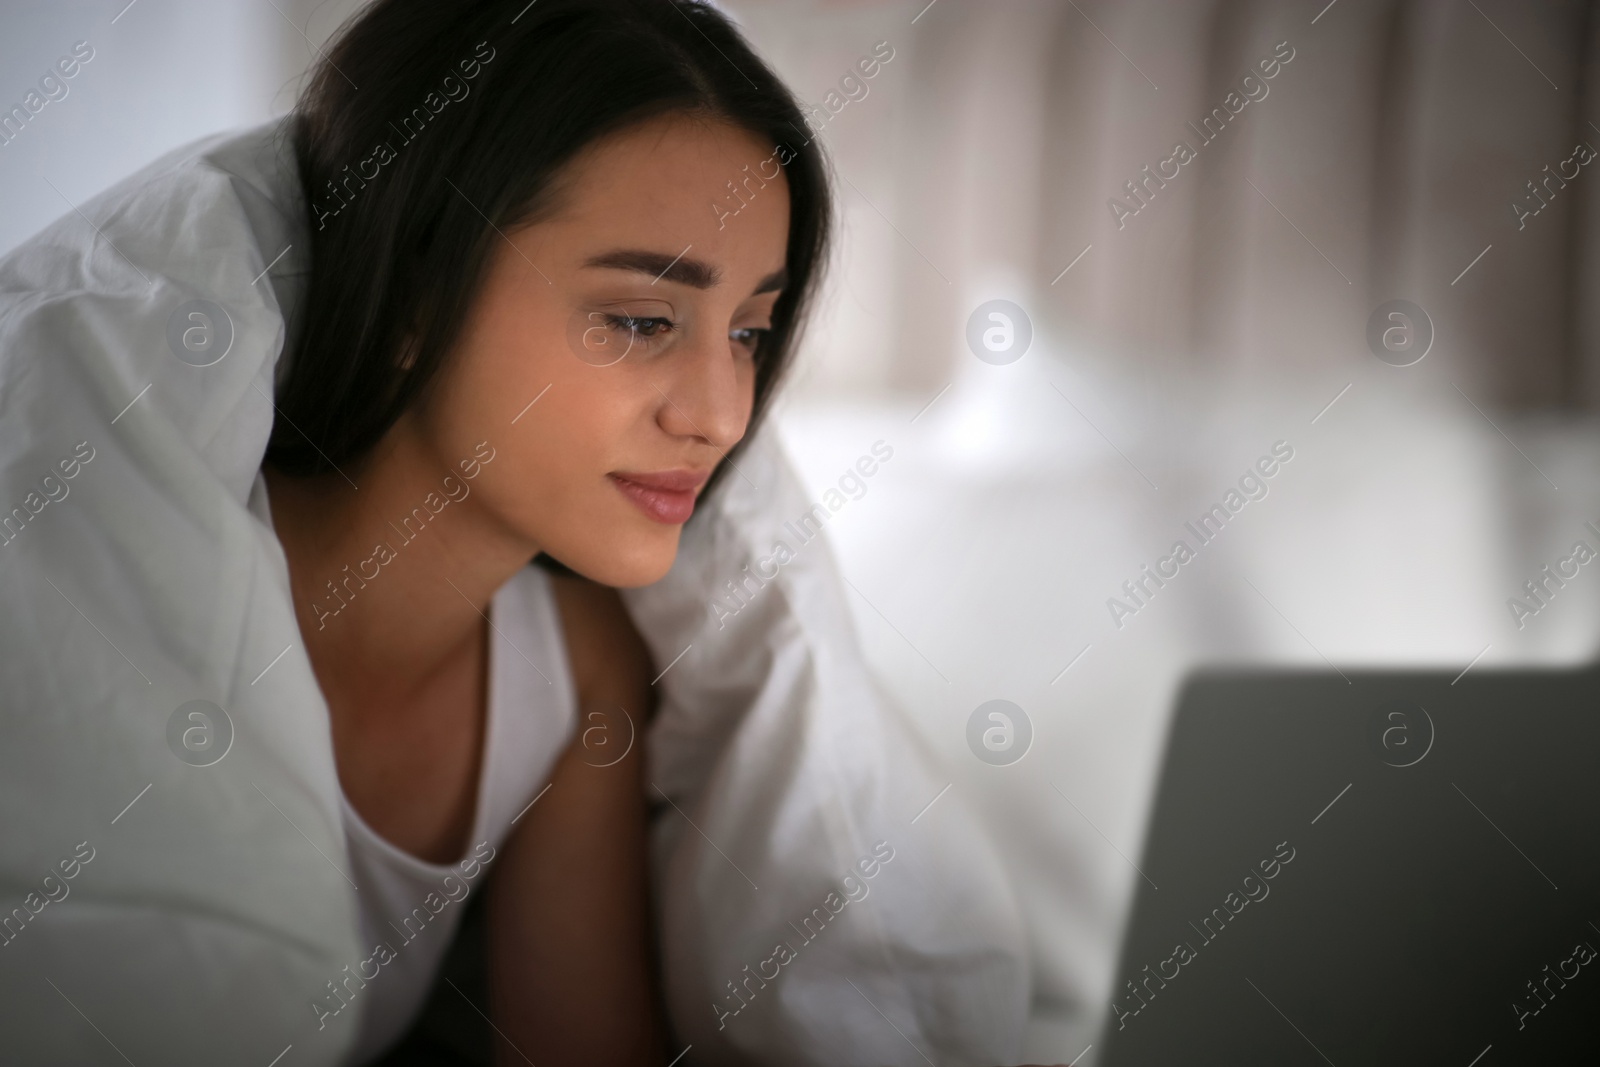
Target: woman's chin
point(641, 561)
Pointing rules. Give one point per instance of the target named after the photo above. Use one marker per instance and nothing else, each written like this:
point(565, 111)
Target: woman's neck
point(391, 580)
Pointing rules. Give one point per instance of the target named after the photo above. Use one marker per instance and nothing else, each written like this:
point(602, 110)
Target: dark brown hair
point(428, 128)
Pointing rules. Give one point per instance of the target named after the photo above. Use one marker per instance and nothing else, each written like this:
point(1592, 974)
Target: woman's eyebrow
point(694, 273)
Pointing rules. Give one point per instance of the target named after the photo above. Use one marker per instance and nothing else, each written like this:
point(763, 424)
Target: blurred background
point(1170, 316)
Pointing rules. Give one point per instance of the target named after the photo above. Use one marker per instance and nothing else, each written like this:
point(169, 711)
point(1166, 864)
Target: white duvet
point(156, 909)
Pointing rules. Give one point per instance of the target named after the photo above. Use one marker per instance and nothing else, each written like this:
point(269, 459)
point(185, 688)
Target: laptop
point(1368, 869)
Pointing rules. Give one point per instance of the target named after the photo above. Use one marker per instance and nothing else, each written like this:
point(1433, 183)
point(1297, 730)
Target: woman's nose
point(709, 393)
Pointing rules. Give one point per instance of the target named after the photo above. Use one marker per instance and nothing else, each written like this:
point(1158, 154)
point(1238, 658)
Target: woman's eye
point(749, 336)
point(637, 326)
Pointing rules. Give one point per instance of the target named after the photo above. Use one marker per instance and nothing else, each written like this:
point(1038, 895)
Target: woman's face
point(632, 316)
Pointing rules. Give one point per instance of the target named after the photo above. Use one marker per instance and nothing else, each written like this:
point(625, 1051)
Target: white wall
point(164, 73)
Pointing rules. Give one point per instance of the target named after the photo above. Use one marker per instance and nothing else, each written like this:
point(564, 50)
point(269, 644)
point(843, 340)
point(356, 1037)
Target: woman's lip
point(677, 480)
point(671, 507)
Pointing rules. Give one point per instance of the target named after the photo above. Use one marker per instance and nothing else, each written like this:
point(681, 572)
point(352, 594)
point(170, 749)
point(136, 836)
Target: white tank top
point(410, 908)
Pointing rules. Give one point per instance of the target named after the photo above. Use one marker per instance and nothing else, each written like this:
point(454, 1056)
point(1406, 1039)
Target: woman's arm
point(571, 953)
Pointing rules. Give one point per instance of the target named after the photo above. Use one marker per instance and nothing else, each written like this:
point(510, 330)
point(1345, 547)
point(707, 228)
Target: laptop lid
point(1379, 868)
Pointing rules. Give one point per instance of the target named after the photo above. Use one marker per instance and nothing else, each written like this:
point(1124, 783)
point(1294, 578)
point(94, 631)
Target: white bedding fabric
point(206, 906)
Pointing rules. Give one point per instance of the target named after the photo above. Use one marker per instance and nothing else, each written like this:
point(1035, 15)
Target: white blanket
point(789, 777)
point(187, 909)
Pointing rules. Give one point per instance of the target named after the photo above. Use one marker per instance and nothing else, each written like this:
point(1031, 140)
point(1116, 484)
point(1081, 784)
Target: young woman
point(561, 252)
